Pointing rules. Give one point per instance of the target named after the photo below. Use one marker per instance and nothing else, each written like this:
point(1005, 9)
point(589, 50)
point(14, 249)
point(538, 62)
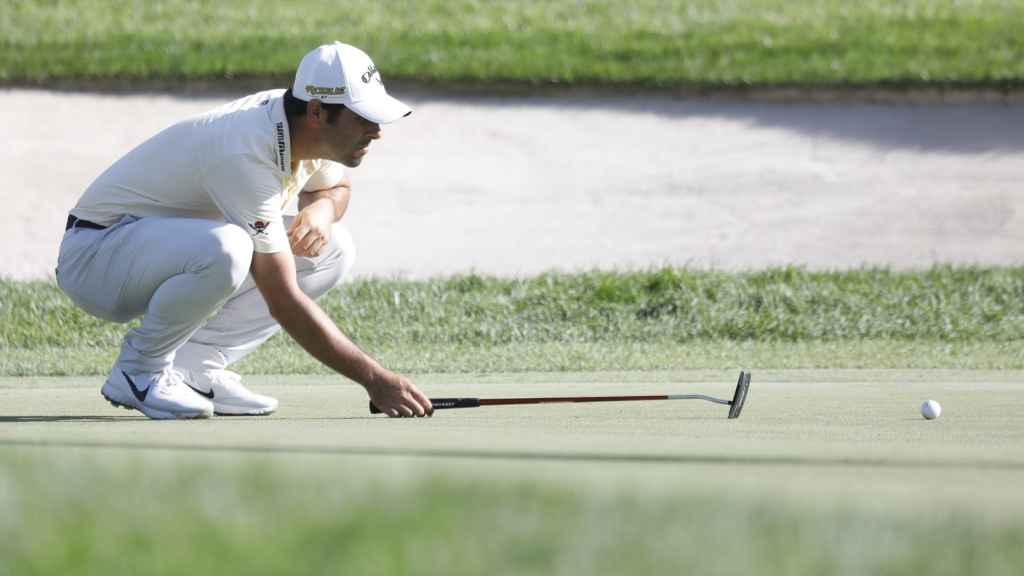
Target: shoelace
point(170, 377)
point(226, 377)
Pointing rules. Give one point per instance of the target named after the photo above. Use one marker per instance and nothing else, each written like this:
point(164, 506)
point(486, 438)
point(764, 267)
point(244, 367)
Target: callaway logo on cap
point(342, 74)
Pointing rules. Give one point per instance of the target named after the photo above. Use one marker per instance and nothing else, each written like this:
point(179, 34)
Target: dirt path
point(520, 185)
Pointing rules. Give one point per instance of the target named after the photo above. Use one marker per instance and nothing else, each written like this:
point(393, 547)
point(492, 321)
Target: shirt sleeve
point(327, 176)
point(247, 191)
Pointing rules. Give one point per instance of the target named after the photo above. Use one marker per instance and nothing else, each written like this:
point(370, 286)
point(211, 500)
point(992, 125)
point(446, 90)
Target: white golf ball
point(931, 409)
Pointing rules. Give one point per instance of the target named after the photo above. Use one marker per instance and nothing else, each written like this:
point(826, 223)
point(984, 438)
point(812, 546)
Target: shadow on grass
point(542, 456)
point(21, 419)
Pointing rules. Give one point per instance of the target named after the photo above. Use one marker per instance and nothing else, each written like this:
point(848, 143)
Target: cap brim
point(383, 109)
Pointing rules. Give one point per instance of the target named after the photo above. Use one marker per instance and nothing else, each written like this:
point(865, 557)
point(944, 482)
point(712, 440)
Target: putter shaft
point(735, 405)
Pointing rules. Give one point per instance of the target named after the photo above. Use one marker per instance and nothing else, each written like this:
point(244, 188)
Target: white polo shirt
point(232, 163)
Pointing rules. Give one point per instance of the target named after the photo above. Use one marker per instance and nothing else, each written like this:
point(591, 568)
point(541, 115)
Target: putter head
point(740, 395)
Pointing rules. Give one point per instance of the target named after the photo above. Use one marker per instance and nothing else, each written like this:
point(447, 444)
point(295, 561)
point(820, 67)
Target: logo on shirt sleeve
point(260, 227)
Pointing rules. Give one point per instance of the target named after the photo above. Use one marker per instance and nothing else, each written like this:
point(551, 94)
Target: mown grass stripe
point(650, 42)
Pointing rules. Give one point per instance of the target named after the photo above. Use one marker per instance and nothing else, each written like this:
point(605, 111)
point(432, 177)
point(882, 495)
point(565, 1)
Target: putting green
point(826, 472)
point(818, 437)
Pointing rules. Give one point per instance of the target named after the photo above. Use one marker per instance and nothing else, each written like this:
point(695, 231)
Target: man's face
point(348, 137)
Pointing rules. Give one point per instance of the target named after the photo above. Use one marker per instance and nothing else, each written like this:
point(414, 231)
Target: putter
point(739, 397)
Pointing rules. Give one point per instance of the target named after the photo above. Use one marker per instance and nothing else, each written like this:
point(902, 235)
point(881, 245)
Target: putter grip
point(442, 403)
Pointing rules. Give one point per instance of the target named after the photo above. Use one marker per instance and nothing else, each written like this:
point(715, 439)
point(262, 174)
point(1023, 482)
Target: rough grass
point(962, 317)
point(648, 42)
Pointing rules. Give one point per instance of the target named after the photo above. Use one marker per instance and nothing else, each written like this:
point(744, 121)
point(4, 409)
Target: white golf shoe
point(229, 397)
point(159, 395)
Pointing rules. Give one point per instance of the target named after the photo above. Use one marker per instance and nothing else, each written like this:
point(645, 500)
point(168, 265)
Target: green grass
point(262, 515)
point(670, 318)
point(827, 472)
point(282, 356)
point(646, 42)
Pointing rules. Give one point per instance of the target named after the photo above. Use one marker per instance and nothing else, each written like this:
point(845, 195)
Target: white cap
point(342, 74)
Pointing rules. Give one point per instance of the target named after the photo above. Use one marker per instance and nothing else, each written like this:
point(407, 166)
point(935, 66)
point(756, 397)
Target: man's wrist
point(336, 200)
point(321, 207)
point(376, 375)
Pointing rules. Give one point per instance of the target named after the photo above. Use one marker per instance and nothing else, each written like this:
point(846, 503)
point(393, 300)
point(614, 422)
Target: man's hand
point(318, 210)
point(311, 229)
point(396, 396)
point(299, 315)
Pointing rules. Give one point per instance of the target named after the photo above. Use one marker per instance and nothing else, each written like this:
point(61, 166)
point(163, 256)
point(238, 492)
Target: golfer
point(224, 228)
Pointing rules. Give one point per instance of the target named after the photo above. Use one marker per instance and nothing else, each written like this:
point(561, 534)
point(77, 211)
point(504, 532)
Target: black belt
point(76, 222)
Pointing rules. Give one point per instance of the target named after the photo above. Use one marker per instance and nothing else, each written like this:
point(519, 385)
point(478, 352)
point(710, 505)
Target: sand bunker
point(520, 185)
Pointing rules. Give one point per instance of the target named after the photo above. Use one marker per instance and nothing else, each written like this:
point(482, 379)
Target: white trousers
point(189, 281)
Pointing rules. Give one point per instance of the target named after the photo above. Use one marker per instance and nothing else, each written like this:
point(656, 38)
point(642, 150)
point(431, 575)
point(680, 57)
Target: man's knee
point(231, 256)
point(345, 248)
point(331, 266)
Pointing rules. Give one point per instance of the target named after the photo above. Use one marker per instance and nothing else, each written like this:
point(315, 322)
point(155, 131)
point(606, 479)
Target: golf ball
point(931, 409)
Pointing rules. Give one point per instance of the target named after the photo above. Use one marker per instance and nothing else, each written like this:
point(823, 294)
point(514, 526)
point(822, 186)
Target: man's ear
point(315, 112)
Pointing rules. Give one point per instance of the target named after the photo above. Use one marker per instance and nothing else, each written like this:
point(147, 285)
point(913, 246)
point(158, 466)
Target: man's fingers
point(400, 398)
point(424, 402)
point(310, 241)
point(417, 408)
point(306, 242)
point(298, 233)
point(408, 408)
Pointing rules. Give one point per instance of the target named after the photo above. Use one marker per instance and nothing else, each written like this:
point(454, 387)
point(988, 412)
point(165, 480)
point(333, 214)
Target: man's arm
point(309, 325)
point(337, 196)
point(318, 210)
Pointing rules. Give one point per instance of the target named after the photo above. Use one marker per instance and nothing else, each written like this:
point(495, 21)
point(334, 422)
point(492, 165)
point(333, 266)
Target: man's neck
point(298, 143)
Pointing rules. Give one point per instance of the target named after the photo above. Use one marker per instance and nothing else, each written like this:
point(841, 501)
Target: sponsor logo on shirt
point(370, 73)
point(325, 90)
point(280, 145)
point(259, 227)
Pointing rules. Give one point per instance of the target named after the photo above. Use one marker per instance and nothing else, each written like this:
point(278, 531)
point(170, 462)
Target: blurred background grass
point(702, 43)
point(226, 514)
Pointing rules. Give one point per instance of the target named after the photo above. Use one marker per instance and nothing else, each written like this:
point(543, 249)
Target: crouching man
point(188, 231)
